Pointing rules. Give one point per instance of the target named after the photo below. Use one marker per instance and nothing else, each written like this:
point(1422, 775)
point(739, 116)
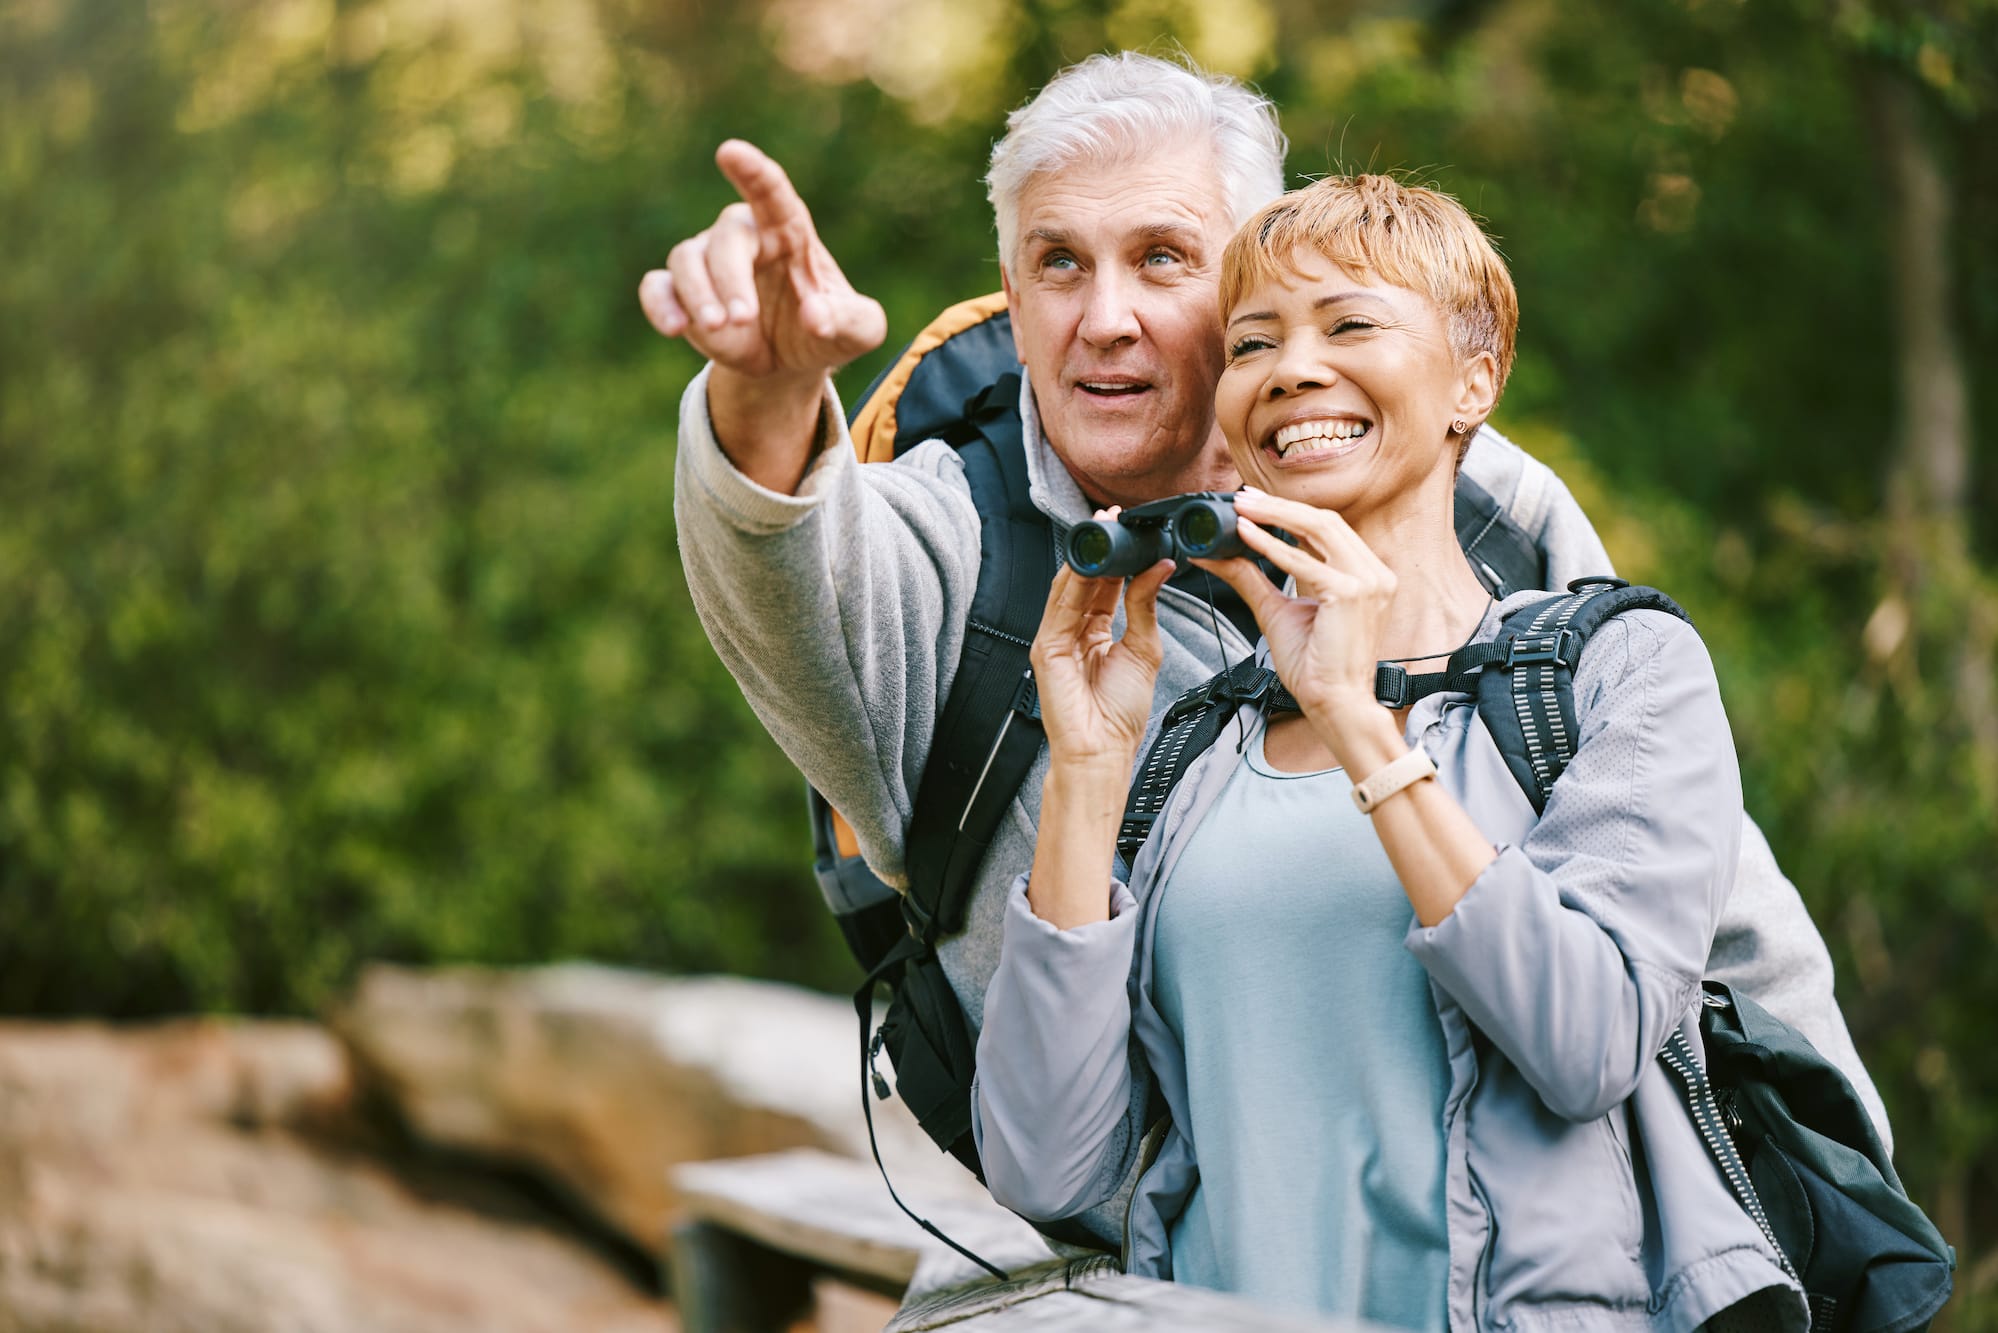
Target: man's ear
point(1013, 310)
point(1477, 392)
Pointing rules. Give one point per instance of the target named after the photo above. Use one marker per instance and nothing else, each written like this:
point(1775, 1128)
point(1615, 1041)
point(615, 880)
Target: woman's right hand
point(1096, 689)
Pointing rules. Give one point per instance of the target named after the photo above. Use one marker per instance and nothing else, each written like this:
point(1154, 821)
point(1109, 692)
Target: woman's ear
point(1477, 392)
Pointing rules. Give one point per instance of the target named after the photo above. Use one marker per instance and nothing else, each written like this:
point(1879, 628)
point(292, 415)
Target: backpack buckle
point(922, 922)
point(1524, 651)
point(1391, 689)
point(1256, 682)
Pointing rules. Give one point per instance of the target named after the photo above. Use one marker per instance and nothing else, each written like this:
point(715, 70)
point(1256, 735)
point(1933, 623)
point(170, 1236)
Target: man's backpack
point(1791, 1137)
point(959, 382)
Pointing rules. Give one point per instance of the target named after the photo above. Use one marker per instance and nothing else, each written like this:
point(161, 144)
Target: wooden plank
point(835, 1212)
point(1134, 1304)
point(952, 1306)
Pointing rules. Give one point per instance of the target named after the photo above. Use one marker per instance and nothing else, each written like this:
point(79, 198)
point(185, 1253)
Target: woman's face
point(1339, 390)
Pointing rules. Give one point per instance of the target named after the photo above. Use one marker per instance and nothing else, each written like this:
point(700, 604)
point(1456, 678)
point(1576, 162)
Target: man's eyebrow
point(1177, 232)
point(1051, 235)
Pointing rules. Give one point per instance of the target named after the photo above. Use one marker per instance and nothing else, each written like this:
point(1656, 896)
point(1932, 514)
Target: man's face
point(1112, 292)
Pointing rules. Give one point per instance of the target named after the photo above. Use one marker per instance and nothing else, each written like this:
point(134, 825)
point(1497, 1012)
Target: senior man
point(838, 594)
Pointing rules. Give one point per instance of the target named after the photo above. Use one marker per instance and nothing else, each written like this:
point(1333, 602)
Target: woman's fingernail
point(739, 311)
point(712, 315)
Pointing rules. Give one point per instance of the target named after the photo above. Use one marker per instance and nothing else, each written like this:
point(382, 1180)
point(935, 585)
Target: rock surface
point(193, 1177)
point(603, 1079)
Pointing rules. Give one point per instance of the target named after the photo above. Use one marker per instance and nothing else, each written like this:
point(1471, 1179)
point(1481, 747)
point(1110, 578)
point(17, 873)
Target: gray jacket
point(840, 611)
point(1557, 979)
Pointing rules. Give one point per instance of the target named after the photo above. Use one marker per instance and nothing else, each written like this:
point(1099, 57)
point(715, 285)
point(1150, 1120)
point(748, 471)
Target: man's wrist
point(767, 426)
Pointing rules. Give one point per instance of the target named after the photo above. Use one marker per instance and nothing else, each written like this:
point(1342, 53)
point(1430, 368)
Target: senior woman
point(1400, 1066)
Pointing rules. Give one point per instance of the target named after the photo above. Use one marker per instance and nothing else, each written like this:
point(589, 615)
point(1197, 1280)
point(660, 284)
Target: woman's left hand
point(1323, 640)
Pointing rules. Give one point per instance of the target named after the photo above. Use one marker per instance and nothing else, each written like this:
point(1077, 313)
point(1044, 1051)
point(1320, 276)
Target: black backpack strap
point(989, 731)
point(1189, 727)
point(1505, 559)
point(1526, 694)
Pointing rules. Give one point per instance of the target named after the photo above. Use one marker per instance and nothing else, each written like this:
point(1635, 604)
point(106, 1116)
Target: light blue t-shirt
point(1315, 1064)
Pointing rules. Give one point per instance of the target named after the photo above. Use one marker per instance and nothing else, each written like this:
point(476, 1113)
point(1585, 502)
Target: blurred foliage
point(340, 615)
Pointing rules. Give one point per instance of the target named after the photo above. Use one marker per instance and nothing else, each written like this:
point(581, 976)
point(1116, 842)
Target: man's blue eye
point(1059, 261)
point(1161, 256)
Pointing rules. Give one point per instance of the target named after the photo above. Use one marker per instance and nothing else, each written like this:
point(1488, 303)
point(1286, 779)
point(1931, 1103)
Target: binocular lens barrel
point(1101, 550)
point(1205, 530)
point(1192, 527)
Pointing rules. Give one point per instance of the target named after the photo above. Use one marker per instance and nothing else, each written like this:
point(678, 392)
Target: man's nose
point(1111, 314)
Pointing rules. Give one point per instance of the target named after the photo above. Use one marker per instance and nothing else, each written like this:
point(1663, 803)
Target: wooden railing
point(758, 1232)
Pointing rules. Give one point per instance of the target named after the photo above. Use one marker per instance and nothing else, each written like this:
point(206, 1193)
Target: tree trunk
point(1928, 482)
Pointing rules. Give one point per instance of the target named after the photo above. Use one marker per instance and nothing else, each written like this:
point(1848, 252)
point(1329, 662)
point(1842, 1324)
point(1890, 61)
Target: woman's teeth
point(1310, 437)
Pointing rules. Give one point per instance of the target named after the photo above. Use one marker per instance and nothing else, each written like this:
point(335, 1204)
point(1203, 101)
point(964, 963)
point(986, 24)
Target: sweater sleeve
point(839, 610)
point(1578, 951)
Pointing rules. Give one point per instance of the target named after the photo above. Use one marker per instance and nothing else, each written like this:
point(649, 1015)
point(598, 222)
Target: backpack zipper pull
point(881, 1089)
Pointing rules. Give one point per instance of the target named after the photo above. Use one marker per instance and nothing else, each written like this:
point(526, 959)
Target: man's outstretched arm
point(760, 296)
point(835, 594)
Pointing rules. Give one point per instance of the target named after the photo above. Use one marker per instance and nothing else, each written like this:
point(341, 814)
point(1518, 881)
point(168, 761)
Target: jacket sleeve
point(1050, 1107)
point(840, 610)
point(1578, 951)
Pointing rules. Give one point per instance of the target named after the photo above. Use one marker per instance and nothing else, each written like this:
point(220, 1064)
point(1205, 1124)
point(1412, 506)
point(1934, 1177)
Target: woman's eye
point(1244, 346)
point(1351, 326)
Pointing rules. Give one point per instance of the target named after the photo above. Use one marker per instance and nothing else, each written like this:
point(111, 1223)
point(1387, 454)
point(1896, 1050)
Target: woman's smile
point(1313, 439)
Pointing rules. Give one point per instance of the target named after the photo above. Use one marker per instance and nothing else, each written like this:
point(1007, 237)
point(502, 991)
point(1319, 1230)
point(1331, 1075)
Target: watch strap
point(1393, 777)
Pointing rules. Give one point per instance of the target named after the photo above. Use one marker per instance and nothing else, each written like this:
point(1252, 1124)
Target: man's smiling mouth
point(1323, 435)
point(1112, 387)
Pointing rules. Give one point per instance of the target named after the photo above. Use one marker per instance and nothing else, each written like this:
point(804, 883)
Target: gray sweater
point(840, 611)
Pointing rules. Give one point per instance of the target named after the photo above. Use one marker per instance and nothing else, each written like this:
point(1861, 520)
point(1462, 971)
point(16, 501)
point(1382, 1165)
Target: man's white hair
point(1130, 104)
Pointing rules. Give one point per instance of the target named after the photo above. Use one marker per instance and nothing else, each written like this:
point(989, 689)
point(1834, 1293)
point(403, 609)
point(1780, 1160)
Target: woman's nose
point(1299, 368)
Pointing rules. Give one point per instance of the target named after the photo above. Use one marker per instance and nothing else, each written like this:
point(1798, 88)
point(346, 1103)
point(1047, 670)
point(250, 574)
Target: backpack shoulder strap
point(1526, 692)
point(1504, 557)
point(1190, 726)
point(957, 381)
point(989, 731)
point(922, 393)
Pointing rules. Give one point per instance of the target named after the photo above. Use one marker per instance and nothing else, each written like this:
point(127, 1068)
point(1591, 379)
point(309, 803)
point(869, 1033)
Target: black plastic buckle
point(1258, 683)
point(922, 924)
point(1391, 685)
point(1542, 648)
point(1597, 581)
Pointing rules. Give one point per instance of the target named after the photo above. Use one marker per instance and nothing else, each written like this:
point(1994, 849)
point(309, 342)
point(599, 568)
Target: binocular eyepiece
point(1181, 527)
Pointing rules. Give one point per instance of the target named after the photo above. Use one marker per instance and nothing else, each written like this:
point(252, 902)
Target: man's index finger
point(771, 197)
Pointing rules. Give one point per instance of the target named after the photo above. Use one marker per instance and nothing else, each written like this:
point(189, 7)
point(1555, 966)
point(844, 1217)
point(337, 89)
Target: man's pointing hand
point(758, 293)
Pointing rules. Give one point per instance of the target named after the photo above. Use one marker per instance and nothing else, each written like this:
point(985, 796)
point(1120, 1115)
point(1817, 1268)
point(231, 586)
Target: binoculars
point(1181, 527)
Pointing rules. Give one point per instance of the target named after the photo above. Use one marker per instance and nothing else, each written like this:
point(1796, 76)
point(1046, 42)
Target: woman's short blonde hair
point(1406, 235)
